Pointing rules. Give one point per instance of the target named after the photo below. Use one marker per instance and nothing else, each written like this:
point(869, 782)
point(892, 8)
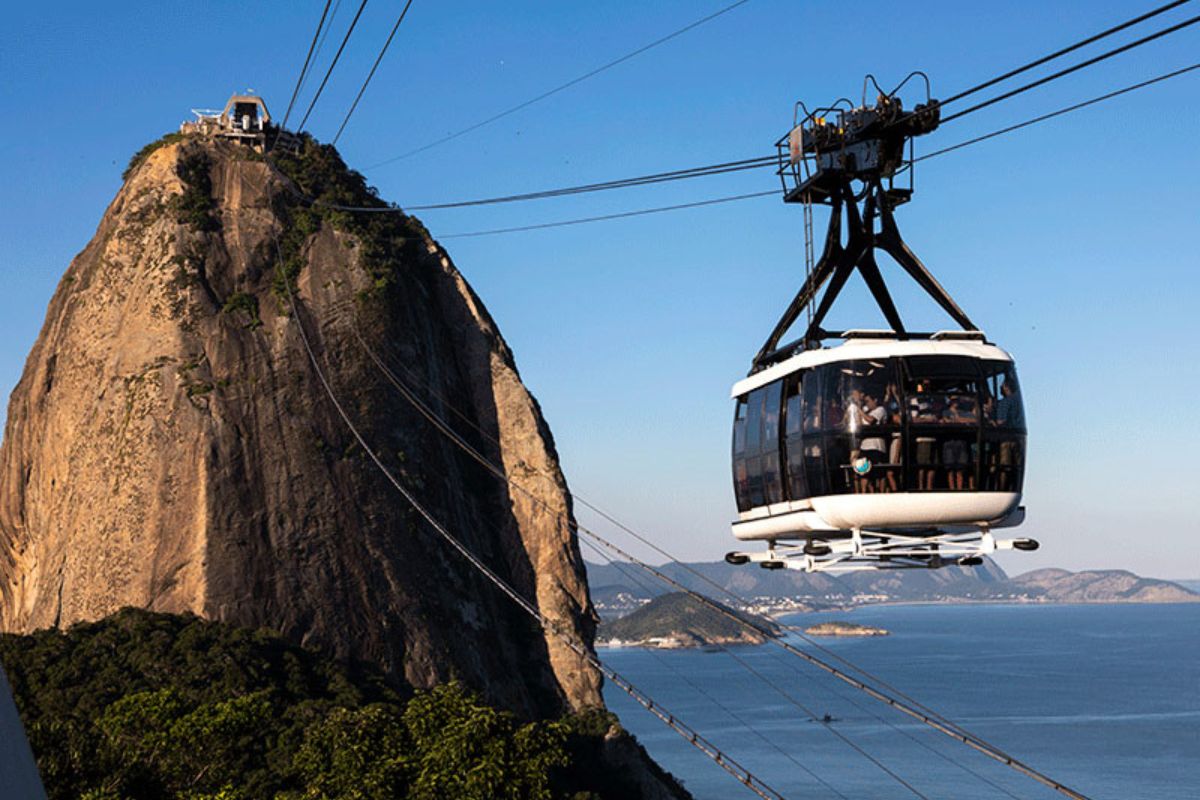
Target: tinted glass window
point(772, 483)
point(754, 416)
point(811, 406)
point(741, 485)
point(1003, 461)
point(793, 419)
point(739, 428)
point(771, 409)
point(1002, 403)
point(797, 483)
point(754, 481)
point(942, 390)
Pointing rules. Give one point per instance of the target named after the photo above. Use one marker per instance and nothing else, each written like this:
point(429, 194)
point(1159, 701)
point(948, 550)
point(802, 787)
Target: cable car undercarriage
point(893, 449)
point(867, 550)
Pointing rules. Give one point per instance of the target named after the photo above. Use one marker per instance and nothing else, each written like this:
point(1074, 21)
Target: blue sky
point(1071, 243)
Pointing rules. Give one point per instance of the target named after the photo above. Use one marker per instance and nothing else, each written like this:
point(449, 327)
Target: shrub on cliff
point(319, 174)
point(144, 153)
point(142, 706)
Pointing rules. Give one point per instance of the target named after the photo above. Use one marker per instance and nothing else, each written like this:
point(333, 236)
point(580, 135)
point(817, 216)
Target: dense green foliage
point(679, 613)
point(321, 180)
point(144, 153)
point(195, 206)
point(142, 706)
point(245, 303)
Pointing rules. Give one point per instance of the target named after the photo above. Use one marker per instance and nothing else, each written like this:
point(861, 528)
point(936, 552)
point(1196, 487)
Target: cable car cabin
point(880, 434)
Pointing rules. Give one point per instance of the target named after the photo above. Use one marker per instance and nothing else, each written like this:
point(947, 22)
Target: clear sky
point(1073, 243)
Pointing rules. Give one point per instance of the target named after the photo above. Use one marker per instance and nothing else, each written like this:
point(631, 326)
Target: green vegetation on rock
point(246, 303)
point(319, 173)
point(144, 153)
point(142, 706)
point(195, 206)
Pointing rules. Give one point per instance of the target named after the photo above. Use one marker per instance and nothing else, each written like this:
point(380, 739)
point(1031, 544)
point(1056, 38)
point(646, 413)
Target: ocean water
point(1105, 698)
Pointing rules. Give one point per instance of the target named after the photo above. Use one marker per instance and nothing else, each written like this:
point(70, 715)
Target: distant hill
point(615, 595)
point(678, 620)
point(1101, 586)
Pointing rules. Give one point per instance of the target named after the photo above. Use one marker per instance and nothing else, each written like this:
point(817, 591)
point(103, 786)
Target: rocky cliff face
point(169, 446)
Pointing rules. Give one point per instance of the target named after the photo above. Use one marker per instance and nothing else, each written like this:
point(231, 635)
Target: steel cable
point(563, 86)
point(1074, 68)
point(328, 72)
point(371, 74)
point(1064, 51)
point(307, 60)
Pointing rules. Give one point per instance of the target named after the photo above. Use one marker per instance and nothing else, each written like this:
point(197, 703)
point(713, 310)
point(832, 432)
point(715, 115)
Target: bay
point(1105, 698)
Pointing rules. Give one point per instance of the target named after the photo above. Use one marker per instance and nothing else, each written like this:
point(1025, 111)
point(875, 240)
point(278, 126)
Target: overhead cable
point(307, 59)
point(371, 74)
point(1064, 51)
point(693, 737)
point(623, 183)
point(1074, 68)
point(620, 183)
point(603, 217)
point(974, 140)
point(563, 86)
point(332, 64)
point(325, 35)
point(1057, 113)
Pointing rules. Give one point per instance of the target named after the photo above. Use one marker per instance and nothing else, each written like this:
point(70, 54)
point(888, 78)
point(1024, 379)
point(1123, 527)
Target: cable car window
point(754, 481)
point(943, 390)
point(943, 412)
point(771, 407)
point(811, 391)
point(796, 475)
point(754, 415)
point(1002, 396)
point(793, 413)
point(739, 428)
point(862, 400)
point(791, 406)
point(741, 485)
point(772, 484)
point(1003, 461)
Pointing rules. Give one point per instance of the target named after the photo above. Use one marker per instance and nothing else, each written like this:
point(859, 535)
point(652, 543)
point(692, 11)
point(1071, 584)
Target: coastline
point(775, 615)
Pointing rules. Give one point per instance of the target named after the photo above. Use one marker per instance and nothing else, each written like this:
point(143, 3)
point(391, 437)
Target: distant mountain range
point(618, 589)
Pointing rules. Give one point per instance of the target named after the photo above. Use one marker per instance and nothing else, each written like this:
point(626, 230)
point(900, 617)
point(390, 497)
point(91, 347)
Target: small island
point(844, 629)
point(678, 620)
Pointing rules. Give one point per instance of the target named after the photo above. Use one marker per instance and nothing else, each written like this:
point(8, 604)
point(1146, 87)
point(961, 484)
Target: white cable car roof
point(880, 345)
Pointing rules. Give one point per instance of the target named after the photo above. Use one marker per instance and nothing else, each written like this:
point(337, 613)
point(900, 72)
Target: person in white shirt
point(874, 448)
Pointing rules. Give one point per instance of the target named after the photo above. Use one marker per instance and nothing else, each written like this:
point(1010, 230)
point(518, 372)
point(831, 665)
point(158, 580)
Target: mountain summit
point(169, 445)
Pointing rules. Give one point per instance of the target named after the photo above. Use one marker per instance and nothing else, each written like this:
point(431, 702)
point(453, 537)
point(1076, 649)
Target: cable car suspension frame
point(848, 159)
point(819, 163)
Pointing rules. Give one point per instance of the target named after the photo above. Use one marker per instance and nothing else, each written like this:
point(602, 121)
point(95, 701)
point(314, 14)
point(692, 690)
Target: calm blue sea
point(1105, 698)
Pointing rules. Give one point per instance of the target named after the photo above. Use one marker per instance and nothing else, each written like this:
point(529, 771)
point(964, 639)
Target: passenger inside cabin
point(833, 414)
point(891, 404)
point(1008, 408)
point(874, 447)
point(1009, 414)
